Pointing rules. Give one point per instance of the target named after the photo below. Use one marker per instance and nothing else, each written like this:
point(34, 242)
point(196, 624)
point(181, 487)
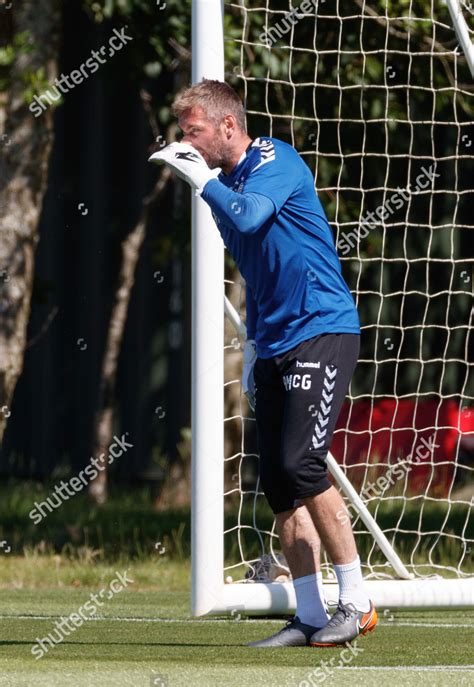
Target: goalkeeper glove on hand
point(248, 382)
point(187, 163)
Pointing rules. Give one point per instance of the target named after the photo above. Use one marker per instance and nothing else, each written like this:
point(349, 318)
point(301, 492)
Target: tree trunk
point(25, 145)
point(130, 255)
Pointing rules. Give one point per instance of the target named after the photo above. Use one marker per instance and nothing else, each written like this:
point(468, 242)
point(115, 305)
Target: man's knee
point(275, 488)
point(307, 475)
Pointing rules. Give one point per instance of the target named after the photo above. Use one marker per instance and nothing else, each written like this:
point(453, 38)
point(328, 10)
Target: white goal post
point(398, 584)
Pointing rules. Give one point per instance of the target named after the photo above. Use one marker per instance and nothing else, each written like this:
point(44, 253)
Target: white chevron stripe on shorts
point(320, 429)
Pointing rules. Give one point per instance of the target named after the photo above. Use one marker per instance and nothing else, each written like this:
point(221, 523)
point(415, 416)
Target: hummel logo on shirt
point(299, 364)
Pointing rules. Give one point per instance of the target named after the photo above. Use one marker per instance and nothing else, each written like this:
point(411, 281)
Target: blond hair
point(216, 98)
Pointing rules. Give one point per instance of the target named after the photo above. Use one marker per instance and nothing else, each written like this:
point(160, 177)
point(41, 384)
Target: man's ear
point(229, 125)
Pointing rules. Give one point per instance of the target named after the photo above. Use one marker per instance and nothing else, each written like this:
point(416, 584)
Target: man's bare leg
point(300, 541)
point(329, 515)
point(301, 545)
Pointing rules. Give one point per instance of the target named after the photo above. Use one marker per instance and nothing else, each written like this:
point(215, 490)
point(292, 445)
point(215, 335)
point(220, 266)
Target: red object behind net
point(389, 429)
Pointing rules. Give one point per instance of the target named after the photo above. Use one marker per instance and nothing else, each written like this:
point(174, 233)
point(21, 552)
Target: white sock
point(351, 585)
point(310, 602)
point(322, 596)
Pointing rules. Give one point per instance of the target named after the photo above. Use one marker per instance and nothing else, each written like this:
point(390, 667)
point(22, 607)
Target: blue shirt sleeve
point(243, 212)
point(251, 313)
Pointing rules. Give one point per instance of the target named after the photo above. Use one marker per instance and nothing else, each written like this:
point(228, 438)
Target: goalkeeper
point(302, 343)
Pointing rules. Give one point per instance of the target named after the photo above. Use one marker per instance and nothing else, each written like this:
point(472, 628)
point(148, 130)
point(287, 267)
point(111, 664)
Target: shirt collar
point(239, 162)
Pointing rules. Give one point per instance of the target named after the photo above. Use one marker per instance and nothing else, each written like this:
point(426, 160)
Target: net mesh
point(377, 98)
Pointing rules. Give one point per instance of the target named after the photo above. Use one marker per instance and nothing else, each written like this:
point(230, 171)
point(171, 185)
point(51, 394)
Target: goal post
point(207, 364)
point(393, 403)
point(462, 30)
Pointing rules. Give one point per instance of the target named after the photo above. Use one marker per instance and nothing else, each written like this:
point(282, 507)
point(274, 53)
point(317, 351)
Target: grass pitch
point(146, 637)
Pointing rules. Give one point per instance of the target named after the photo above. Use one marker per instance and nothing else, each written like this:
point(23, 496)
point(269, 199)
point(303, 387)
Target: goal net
point(377, 98)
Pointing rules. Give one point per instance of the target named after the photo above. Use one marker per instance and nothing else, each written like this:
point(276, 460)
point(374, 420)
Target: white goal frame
point(210, 595)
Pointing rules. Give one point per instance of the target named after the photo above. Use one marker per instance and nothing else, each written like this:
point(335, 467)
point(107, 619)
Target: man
point(303, 343)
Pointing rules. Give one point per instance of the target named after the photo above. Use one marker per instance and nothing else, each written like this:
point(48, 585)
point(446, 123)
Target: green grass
point(114, 651)
point(142, 633)
point(35, 571)
point(145, 633)
point(129, 525)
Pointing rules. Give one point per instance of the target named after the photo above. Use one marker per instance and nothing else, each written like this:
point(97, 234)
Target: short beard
point(219, 157)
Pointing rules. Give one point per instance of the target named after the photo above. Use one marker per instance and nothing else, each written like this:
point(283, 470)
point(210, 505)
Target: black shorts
point(298, 398)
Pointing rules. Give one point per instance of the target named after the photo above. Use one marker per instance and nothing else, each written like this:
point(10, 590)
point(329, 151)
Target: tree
point(28, 62)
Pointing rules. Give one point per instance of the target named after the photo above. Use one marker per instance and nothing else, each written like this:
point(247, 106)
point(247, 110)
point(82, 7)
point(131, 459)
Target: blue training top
point(273, 224)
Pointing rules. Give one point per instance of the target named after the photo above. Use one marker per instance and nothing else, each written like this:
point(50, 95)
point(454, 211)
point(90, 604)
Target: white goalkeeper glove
point(248, 382)
point(187, 163)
